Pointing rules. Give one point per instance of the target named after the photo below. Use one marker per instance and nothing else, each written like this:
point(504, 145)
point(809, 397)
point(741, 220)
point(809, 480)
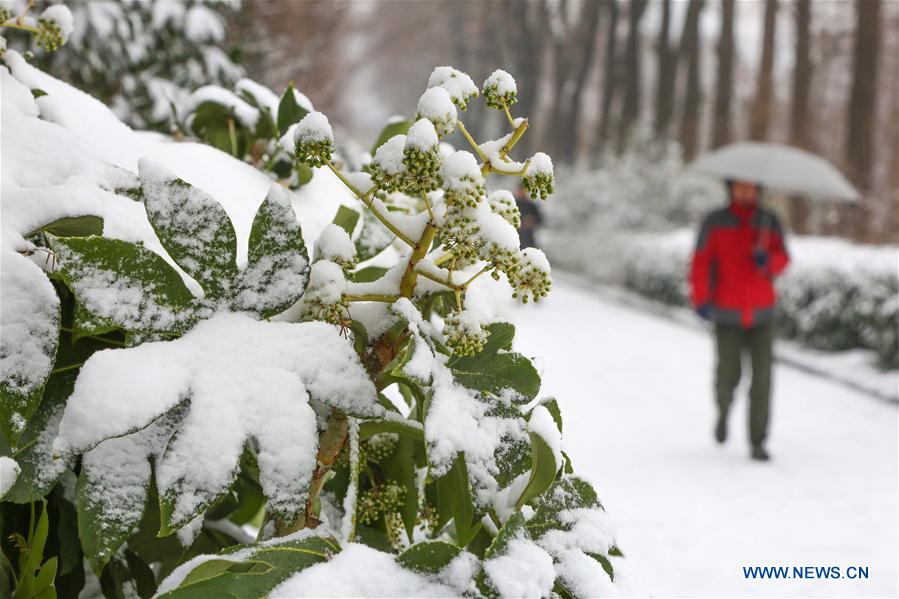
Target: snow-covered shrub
point(254, 124)
point(834, 296)
point(216, 414)
point(141, 57)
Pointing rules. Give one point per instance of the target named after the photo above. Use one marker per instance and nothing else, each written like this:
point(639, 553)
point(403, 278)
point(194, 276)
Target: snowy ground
point(635, 390)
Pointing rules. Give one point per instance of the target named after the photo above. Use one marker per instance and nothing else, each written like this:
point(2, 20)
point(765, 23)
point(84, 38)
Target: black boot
point(721, 427)
point(760, 454)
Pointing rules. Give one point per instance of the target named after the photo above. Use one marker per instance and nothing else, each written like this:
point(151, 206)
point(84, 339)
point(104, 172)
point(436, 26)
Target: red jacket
point(724, 274)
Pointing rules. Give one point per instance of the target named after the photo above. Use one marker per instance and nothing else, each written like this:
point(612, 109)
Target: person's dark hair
point(759, 189)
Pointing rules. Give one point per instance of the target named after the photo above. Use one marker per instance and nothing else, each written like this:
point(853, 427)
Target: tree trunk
point(630, 109)
point(667, 74)
point(583, 49)
point(800, 134)
point(527, 42)
point(572, 57)
point(692, 105)
point(863, 101)
point(610, 77)
point(761, 108)
point(721, 134)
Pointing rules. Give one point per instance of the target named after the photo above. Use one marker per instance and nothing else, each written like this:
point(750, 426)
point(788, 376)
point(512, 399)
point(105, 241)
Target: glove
point(760, 257)
point(704, 311)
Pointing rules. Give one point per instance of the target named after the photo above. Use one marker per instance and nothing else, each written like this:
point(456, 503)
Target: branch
point(372, 297)
point(407, 285)
point(471, 141)
point(365, 199)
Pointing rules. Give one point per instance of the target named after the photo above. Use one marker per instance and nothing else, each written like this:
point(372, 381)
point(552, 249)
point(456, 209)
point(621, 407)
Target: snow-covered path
point(635, 391)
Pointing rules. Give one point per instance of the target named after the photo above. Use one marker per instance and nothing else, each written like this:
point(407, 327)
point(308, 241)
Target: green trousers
point(731, 342)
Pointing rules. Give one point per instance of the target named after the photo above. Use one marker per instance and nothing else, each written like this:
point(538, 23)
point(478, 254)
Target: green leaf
point(152, 296)
point(400, 127)
point(113, 485)
point(375, 427)
point(209, 122)
point(346, 218)
point(289, 111)
point(495, 368)
point(304, 174)
point(567, 493)
point(256, 575)
point(400, 467)
point(73, 226)
point(31, 320)
point(36, 578)
point(369, 274)
point(428, 557)
point(454, 497)
point(40, 470)
point(552, 406)
point(543, 469)
point(278, 264)
point(194, 229)
point(513, 528)
point(127, 575)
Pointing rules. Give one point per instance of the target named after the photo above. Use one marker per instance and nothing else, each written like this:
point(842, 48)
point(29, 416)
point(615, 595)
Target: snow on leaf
point(40, 468)
point(30, 321)
point(277, 271)
point(215, 576)
point(124, 283)
point(113, 485)
point(192, 226)
point(236, 372)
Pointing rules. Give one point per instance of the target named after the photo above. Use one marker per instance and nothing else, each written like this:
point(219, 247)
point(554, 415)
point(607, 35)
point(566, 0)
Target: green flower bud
point(500, 90)
point(538, 178)
point(314, 140)
point(465, 332)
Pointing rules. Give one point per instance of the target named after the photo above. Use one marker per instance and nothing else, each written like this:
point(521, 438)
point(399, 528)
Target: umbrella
point(779, 168)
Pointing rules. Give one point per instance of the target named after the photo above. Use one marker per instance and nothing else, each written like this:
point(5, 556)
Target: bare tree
point(525, 42)
point(573, 48)
point(761, 107)
point(692, 104)
point(724, 88)
point(800, 133)
point(611, 75)
point(666, 60)
point(862, 103)
point(630, 108)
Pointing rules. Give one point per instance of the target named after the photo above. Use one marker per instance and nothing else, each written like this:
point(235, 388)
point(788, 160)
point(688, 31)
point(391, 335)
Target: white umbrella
point(779, 168)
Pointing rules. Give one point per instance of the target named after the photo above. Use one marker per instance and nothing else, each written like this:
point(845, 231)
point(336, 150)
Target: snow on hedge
point(835, 295)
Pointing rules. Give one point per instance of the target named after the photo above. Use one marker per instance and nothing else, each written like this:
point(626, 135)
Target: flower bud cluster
point(500, 90)
point(54, 26)
point(465, 332)
point(314, 140)
point(459, 85)
point(503, 203)
point(334, 245)
point(323, 298)
point(421, 158)
point(532, 279)
point(538, 178)
point(378, 501)
point(437, 106)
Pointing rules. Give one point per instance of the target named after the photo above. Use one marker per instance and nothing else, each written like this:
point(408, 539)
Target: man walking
point(739, 251)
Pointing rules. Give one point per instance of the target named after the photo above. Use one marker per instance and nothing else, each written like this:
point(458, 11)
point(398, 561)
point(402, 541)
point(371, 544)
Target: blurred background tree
point(600, 76)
